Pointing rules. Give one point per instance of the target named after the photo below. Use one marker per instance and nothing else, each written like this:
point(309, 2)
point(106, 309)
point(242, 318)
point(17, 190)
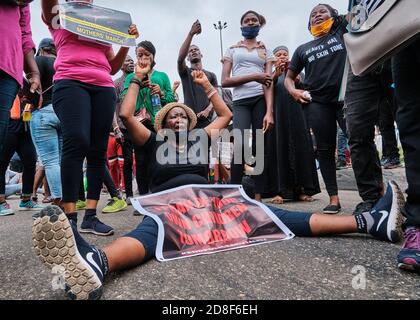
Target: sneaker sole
point(30, 209)
point(396, 219)
point(96, 233)
point(54, 244)
point(7, 213)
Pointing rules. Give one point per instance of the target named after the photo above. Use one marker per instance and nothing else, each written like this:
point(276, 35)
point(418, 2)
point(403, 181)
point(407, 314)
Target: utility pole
point(219, 26)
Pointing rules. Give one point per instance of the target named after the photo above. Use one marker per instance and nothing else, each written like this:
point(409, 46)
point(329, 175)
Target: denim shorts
point(147, 230)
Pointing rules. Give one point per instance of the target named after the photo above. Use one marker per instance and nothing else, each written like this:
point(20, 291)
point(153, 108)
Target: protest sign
point(101, 24)
point(199, 219)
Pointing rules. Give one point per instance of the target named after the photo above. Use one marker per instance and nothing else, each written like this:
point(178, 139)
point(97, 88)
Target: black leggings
point(20, 142)
point(109, 184)
point(323, 118)
point(248, 113)
point(85, 112)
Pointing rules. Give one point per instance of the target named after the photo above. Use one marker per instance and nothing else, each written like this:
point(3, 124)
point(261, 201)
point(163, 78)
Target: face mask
point(322, 28)
point(250, 32)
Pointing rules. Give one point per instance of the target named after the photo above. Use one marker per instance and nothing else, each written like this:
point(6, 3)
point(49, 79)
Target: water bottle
point(156, 103)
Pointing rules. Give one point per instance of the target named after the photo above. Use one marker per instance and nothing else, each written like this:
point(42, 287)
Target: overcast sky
point(167, 22)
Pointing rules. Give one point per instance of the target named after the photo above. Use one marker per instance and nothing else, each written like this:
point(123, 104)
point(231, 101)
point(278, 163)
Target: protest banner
point(97, 23)
point(198, 219)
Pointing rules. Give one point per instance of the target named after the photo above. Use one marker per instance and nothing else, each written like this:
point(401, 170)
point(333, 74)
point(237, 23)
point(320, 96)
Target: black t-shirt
point(323, 60)
point(46, 69)
point(194, 95)
point(167, 163)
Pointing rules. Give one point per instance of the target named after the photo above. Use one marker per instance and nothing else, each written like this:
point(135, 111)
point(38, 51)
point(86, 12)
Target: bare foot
point(306, 198)
point(277, 200)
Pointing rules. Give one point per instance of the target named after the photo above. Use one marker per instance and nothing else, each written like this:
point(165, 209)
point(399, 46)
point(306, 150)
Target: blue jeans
point(8, 90)
point(12, 189)
point(46, 136)
point(341, 145)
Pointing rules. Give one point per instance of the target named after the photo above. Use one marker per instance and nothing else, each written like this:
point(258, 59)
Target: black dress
point(291, 168)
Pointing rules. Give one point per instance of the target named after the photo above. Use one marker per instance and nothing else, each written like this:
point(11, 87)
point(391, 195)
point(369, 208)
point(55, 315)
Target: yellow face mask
point(322, 28)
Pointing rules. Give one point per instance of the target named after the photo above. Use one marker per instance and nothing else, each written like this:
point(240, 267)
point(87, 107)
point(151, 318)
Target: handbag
point(394, 25)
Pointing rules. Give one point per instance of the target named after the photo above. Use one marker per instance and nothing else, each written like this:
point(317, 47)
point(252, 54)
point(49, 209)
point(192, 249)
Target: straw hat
point(160, 116)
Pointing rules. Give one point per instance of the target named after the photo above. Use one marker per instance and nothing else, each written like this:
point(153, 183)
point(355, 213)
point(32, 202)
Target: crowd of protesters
point(86, 131)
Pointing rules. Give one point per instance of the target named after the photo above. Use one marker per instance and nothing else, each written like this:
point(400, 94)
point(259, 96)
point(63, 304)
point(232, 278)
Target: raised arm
point(183, 52)
point(224, 115)
point(138, 132)
point(49, 10)
point(117, 60)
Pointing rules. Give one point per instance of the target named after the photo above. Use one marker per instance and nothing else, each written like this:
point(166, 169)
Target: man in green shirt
point(158, 83)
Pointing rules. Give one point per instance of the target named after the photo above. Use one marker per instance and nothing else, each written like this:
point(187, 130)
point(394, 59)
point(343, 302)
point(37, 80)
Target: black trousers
point(406, 70)
point(323, 119)
point(85, 112)
point(20, 142)
point(248, 113)
point(142, 166)
point(364, 96)
point(387, 127)
point(128, 149)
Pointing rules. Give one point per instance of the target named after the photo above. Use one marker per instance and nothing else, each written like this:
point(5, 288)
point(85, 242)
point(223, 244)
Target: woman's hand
point(132, 30)
point(143, 67)
point(299, 96)
point(268, 122)
point(264, 78)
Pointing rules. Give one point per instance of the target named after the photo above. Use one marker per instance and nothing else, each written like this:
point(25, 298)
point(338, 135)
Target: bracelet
point(212, 93)
point(137, 82)
point(209, 89)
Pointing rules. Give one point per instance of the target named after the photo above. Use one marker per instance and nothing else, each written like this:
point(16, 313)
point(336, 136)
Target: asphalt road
point(302, 268)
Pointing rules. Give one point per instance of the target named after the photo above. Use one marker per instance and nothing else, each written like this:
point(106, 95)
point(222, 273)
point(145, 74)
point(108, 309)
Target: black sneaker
point(365, 206)
point(332, 209)
point(58, 244)
point(95, 226)
point(387, 215)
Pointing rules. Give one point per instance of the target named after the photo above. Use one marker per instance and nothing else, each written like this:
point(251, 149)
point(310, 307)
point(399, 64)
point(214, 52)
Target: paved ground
point(303, 268)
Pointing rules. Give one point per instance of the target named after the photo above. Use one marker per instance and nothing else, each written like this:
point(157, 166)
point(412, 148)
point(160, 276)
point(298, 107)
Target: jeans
point(8, 90)
point(47, 138)
point(85, 112)
point(363, 98)
point(12, 189)
point(406, 70)
point(341, 145)
point(323, 119)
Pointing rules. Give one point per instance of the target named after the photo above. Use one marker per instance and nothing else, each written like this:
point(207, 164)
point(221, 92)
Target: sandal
point(277, 200)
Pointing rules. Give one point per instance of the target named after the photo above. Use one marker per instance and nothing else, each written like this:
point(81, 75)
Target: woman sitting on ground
point(89, 265)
